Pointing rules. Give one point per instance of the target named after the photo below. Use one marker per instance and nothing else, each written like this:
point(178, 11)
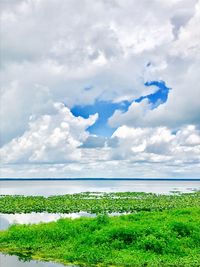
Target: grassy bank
point(98, 203)
point(154, 238)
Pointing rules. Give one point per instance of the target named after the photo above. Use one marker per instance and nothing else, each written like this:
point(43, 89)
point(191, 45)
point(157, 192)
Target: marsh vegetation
point(162, 230)
point(98, 203)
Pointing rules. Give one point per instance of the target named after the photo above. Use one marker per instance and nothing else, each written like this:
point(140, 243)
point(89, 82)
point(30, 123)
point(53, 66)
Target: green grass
point(147, 238)
point(96, 203)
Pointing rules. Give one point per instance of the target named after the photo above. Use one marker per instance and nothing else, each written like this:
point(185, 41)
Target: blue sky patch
point(157, 98)
point(106, 109)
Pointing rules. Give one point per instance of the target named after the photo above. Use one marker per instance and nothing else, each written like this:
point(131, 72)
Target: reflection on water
point(46, 188)
point(29, 218)
point(13, 261)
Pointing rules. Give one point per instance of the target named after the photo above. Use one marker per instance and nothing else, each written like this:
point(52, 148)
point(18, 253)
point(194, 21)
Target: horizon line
point(99, 179)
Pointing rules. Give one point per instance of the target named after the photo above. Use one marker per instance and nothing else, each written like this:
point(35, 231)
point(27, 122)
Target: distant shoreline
point(102, 179)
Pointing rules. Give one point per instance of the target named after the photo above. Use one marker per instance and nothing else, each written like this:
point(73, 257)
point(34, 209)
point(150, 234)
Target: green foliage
point(98, 203)
point(102, 219)
point(154, 244)
point(182, 229)
point(148, 238)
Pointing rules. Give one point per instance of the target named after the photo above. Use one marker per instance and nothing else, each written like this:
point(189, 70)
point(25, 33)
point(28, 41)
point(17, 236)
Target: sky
point(104, 88)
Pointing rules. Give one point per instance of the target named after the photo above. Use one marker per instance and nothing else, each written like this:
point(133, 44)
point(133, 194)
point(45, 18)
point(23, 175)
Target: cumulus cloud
point(182, 107)
point(180, 68)
point(130, 152)
point(49, 139)
point(64, 47)
point(158, 145)
point(181, 71)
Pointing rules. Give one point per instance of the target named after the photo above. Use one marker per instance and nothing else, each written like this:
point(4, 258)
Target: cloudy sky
point(105, 88)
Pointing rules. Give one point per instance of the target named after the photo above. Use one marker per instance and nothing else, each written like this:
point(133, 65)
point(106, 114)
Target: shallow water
point(13, 261)
point(47, 188)
point(29, 218)
point(33, 218)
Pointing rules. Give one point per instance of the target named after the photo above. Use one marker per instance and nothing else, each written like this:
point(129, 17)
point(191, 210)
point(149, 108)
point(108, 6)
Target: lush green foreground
point(98, 203)
point(156, 238)
point(163, 230)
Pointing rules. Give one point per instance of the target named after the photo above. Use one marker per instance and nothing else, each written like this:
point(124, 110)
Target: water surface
point(33, 218)
point(13, 261)
point(47, 188)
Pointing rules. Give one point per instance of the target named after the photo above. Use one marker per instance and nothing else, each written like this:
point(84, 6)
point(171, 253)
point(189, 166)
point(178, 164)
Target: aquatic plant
point(127, 202)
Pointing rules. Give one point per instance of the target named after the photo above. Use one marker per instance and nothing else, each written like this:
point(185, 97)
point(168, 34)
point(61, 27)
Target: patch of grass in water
point(101, 203)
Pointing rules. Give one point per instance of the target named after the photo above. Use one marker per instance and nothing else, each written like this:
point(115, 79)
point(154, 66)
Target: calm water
point(46, 188)
point(29, 218)
point(13, 261)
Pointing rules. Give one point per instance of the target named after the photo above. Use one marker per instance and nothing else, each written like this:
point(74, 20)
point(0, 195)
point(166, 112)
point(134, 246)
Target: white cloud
point(179, 66)
point(53, 49)
point(138, 152)
point(64, 46)
point(187, 44)
point(181, 108)
point(49, 139)
point(158, 145)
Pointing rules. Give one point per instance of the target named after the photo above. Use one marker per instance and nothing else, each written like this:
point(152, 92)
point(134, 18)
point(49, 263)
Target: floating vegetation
point(98, 203)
